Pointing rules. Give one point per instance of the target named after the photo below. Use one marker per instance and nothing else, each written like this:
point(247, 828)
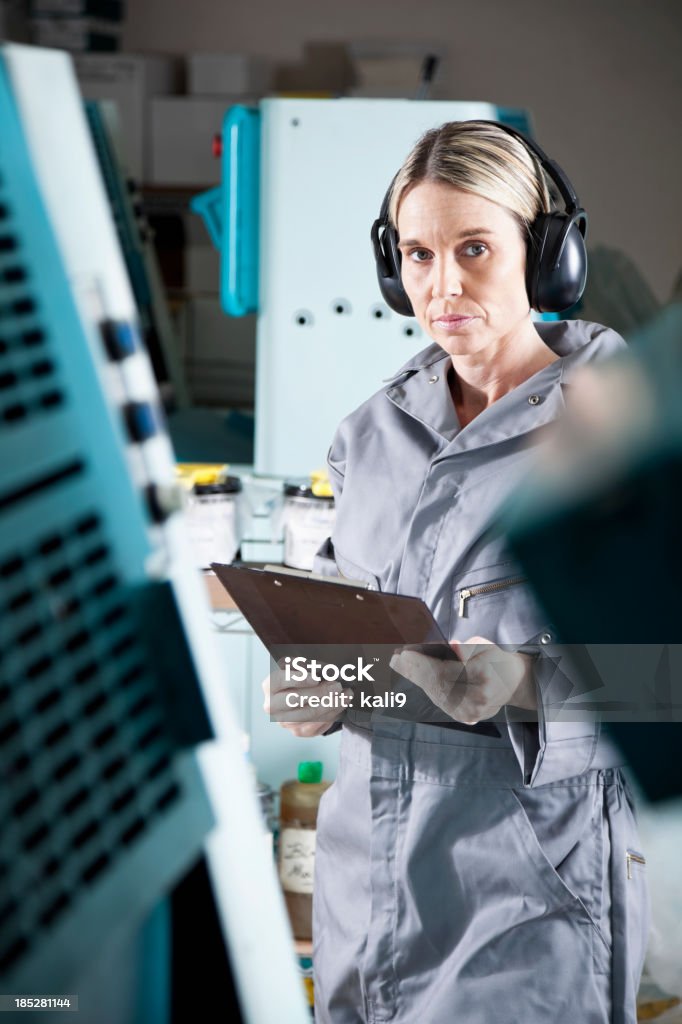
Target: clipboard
point(286, 608)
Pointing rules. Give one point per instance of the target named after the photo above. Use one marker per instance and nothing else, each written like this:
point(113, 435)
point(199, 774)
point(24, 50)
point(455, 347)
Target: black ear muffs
point(556, 262)
point(387, 257)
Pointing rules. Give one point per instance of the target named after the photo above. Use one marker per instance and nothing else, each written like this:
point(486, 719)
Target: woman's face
point(463, 267)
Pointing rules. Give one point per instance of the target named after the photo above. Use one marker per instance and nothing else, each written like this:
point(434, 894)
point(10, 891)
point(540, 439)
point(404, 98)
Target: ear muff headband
point(556, 263)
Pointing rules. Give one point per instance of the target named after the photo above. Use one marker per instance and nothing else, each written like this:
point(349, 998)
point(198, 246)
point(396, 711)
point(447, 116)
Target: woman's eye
point(475, 249)
point(420, 255)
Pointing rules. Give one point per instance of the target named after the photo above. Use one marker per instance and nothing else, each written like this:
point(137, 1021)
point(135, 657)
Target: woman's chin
point(458, 344)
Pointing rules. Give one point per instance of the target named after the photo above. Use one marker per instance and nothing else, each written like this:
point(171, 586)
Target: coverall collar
point(420, 388)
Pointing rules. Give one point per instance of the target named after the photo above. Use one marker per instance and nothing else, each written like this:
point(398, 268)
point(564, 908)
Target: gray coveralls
point(463, 877)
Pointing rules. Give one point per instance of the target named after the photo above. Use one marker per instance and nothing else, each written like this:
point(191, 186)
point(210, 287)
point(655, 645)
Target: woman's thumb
point(465, 649)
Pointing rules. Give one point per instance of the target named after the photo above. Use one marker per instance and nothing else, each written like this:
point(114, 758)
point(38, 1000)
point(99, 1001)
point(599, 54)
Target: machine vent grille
point(30, 380)
point(84, 753)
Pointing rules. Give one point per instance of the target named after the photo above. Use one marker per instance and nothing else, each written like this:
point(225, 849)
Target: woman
point(462, 875)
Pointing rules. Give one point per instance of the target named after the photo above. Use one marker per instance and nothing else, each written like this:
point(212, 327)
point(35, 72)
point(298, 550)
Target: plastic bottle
point(299, 800)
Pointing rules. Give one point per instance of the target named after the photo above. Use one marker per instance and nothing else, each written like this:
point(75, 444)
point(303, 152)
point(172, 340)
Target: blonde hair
point(479, 158)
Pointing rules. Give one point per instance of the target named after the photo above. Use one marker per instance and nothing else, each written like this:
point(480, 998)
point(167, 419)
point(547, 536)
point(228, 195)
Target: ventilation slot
point(30, 387)
point(74, 680)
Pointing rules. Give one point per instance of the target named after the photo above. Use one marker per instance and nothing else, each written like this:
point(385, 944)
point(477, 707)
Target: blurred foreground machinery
point(597, 528)
point(119, 759)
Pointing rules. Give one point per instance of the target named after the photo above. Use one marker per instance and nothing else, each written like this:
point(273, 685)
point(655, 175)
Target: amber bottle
point(299, 800)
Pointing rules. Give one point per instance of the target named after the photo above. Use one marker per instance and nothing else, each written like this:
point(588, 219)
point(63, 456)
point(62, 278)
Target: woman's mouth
point(451, 322)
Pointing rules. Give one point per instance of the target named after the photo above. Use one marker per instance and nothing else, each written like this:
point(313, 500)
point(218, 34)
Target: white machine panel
point(322, 349)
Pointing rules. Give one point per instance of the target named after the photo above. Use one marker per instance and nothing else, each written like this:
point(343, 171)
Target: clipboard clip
point(343, 581)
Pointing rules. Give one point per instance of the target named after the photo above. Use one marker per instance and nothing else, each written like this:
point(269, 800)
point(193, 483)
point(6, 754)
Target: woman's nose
point(446, 279)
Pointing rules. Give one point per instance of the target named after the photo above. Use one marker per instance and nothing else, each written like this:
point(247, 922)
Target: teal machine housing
point(231, 211)
point(90, 779)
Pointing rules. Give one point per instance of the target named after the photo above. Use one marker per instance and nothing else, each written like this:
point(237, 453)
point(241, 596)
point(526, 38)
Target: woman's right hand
point(299, 720)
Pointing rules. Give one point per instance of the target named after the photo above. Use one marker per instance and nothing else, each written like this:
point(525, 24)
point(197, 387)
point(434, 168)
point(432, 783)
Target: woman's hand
point(299, 719)
point(476, 687)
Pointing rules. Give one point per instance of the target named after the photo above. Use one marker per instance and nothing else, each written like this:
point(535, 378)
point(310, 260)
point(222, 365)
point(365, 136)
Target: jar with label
point(213, 521)
point(307, 521)
point(299, 801)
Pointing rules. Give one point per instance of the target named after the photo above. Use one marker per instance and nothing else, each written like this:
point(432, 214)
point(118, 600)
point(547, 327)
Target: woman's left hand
point(476, 687)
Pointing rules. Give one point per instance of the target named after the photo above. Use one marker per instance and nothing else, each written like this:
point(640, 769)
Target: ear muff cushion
point(392, 286)
point(555, 284)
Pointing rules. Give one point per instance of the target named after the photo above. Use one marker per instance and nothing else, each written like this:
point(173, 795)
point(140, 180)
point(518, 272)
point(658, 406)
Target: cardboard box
point(182, 133)
point(392, 69)
point(215, 74)
point(130, 81)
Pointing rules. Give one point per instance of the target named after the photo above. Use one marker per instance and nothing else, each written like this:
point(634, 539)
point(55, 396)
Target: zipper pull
point(463, 596)
point(631, 856)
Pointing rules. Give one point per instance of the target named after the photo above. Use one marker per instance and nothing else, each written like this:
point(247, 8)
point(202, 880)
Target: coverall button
point(533, 399)
point(545, 638)
point(432, 380)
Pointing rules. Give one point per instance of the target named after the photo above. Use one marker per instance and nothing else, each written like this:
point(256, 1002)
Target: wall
point(602, 77)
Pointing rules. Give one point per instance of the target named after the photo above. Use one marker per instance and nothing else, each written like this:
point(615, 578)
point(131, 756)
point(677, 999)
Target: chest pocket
point(498, 603)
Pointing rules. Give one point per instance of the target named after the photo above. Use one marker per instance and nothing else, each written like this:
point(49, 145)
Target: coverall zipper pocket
point(486, 588)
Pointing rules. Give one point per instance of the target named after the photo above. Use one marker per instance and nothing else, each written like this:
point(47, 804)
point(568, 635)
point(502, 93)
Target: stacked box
point(80, 26)
point(77, 35)
point(227, 74)
point(392, 69)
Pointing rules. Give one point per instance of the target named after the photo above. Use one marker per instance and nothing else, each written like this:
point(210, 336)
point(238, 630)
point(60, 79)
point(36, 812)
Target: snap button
point(533, 399)
point(545, 638)
point(433, 380)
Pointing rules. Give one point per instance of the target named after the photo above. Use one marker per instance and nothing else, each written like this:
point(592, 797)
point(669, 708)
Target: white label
point(297, 859)
point(307, 524)
point(212, 524)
